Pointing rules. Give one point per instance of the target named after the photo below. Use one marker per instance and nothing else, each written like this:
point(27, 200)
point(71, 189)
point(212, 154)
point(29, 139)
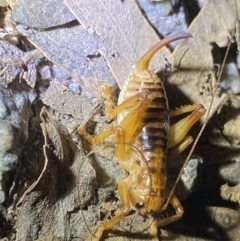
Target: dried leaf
point(224, 130)
point(56, 135)
point(80, 59)
point(124, 33)
point(53, 199)
point(39, 14)
point(65, 102)
point(198, 53)
point(196, 80)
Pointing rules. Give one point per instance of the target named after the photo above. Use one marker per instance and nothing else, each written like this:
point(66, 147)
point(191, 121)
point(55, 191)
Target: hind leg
point(126, 208)
point(178, 138)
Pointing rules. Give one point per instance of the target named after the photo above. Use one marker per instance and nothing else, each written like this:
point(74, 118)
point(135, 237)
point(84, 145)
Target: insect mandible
point(143, 121)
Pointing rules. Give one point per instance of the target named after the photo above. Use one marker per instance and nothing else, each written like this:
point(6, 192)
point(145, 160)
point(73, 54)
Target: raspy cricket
point(143, 124)
point(45, 192)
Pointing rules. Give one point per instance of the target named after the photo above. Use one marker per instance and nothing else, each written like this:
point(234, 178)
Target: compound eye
point(139, 205)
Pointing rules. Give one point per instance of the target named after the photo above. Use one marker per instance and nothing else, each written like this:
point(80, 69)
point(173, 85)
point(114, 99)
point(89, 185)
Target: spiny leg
point(160, 223)
point(185, 109)
point(177, 207)
point(179, 130)
point(106, 94)
point(126, 208)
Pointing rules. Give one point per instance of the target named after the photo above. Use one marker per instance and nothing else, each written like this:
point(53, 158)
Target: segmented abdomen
point(152, 133)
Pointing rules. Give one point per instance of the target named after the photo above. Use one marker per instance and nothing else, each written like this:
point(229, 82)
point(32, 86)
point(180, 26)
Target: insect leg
point(176, 205)
point(130, 102)
point(178, 149)
point(134, 116)
point(126, 208)
point(130, 122)
point(179, 130)
point(127, 127)
point(138, 102)
point(185, 109)
point(166, 220)
point(98, 138)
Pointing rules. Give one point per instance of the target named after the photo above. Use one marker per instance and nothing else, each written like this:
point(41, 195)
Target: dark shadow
point(6, 226)
point(192, 9)
point(196, 223)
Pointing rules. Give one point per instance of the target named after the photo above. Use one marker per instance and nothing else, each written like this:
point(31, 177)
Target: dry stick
point(200, 132)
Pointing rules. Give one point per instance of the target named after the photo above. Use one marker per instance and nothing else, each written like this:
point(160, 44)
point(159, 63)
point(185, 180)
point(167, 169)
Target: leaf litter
point(95, 56)
point(54, 202)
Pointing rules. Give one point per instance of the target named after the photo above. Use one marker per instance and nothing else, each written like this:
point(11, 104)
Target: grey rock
point(15, 112)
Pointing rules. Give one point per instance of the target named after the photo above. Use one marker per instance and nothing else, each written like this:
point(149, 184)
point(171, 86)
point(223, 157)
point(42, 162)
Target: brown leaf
point(39, 14)
point(57, 136)
point(65, 102)
point(124, 33)
point(53, 199)
point(206, 30)
point(80, 59)
point(196, 80)
point(57, 141)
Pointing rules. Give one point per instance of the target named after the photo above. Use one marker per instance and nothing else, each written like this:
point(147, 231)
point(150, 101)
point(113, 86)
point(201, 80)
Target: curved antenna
point(201, 130)
point(144, 61)
point(98, 149)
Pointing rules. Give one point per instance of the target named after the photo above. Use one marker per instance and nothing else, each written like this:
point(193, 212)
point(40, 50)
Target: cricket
point(143, 122)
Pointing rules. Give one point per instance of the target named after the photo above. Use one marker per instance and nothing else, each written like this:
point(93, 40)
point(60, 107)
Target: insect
point(143, 122)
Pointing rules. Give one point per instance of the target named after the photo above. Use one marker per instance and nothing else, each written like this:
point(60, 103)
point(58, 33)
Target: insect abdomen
point(152, 133)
